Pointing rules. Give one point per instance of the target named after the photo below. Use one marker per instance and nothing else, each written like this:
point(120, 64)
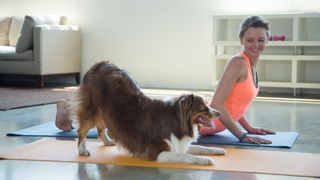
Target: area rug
point(17, 97)
point(237, 160)
point(279, 140)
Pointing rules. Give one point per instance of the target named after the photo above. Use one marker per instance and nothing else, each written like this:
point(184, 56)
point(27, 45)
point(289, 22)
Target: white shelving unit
point(293, 63)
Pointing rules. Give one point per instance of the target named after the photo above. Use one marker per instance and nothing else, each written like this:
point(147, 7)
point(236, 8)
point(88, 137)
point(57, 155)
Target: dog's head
point(194, 111)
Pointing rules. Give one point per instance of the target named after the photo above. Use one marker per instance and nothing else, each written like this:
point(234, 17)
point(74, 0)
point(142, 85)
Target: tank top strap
point(245, 57)
point(250, 73)
point(247, 61)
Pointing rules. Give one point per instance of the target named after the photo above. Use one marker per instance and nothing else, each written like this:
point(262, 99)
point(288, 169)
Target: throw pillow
point(25, 40)
point(63, 20)
point(15, 29)
point(4, 30)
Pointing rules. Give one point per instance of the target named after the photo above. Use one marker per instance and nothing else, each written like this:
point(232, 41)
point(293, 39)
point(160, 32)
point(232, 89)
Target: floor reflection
point(99, 171)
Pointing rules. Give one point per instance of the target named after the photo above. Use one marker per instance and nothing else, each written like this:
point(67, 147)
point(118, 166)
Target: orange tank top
point(242, 93)
point(240, 97)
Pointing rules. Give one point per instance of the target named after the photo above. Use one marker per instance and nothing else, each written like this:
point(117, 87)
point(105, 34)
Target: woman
point(238, 85)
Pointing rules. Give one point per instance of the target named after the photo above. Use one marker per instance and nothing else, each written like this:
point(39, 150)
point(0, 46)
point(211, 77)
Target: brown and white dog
point(154, 129)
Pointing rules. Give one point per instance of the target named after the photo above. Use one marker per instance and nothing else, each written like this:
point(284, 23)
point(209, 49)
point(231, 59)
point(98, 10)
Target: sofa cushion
point(9, 53)
point(25, 40)
point(63, 20)
point(4, 30)
point(15, 29)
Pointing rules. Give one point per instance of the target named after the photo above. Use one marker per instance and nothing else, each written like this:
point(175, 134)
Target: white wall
point(162, 43)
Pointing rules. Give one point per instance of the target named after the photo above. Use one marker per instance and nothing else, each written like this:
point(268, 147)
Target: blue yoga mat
point(50, 130)
point(280, 139)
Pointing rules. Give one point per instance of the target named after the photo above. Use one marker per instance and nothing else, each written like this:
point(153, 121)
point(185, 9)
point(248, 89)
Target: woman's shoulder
point(237, 67)
point(237, 60)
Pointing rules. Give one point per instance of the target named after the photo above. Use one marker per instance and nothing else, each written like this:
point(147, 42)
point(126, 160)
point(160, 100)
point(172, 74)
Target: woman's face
point(254, 41)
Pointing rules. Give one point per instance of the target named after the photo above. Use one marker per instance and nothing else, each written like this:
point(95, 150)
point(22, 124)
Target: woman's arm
point(253, 130)
point(234, 72)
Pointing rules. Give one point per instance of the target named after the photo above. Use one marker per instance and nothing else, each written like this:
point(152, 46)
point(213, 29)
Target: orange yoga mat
point(238, 160)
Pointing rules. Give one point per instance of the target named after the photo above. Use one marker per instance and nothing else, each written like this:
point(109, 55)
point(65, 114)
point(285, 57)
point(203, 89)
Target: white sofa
point(39, 47)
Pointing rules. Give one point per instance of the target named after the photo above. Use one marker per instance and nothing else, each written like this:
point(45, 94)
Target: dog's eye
point(203, 110)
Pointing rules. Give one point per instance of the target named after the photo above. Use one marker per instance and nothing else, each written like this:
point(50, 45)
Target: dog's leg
point(101, 127)
point(82, 133)
point(82, 147)
point(196, 150)
point(173, 157)
point(104, 137)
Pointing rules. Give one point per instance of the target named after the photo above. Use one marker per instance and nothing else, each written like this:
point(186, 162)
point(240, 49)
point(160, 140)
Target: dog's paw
point(204, 150)
point(204, 160)
point(106, 140)
point(218, 151)
point(109, 143)
point(84, 152)
point(174, 157)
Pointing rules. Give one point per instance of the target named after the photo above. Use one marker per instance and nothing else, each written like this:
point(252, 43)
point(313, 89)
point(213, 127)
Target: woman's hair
point(255, 22)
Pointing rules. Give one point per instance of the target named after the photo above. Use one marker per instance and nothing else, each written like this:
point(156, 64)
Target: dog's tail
point(92, 89)
point(95, 69)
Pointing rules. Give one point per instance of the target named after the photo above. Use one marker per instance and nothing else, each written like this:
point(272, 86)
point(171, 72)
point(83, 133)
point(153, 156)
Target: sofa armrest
point(57, 49)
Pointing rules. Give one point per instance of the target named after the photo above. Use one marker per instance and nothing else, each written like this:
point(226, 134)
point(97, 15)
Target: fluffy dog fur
point(155, 129)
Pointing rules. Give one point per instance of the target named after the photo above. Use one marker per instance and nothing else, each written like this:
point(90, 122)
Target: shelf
point(308, 85)
point(272, 43)
point(274, 57)
point(273, 84)
point(269, 57)
point(308, 71)
point(276, 84)
point(275, 71)
point(310, 48)
point(309, 28)
point(308, 58)
point(293, 63)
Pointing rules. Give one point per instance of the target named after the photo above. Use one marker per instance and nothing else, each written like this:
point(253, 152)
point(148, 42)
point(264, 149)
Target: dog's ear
point(185, 112)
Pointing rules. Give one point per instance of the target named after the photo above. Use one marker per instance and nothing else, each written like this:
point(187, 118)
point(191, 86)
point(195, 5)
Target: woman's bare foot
point(63, 120)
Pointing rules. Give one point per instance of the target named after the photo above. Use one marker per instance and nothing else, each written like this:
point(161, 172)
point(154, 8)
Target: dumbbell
point(277, 38)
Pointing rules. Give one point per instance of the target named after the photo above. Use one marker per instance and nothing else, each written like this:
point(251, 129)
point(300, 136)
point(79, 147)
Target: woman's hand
point(260, 131)
point(255, 140)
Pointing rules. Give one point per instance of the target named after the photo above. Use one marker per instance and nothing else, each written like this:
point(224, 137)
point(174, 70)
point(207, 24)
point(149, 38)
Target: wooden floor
point(279, 114)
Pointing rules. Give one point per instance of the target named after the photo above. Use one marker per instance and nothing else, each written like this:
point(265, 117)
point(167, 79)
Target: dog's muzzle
point(205, 122)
